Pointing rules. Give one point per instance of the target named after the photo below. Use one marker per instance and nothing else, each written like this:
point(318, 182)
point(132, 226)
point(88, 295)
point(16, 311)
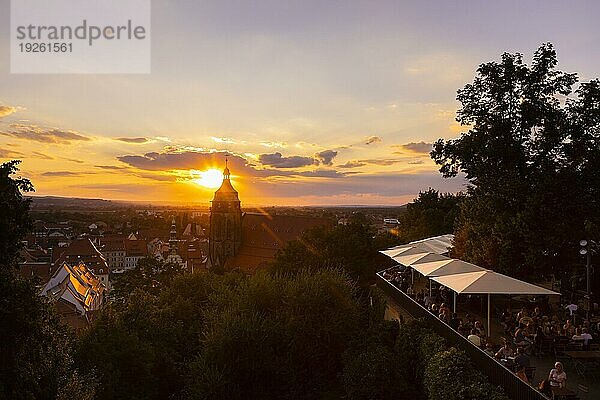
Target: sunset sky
point(318, 102)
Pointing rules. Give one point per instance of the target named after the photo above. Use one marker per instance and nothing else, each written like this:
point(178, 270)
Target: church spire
point(226, 174)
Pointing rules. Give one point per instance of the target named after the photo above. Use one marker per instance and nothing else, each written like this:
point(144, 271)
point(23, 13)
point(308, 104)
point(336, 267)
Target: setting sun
point(211, 178)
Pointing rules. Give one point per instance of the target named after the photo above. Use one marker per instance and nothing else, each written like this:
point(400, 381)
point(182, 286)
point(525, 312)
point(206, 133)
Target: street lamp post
point(585, 251)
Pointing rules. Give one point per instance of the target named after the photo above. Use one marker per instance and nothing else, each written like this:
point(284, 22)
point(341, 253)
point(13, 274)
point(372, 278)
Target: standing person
point(558, 376)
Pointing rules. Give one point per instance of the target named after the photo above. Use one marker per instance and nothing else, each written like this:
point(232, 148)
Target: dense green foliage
point(231, 336)
point(532, 157)
point(430, 214)
point(150, 275)
point(450, 375)
point(354, 247)
point(437, 371)
point(35, 350)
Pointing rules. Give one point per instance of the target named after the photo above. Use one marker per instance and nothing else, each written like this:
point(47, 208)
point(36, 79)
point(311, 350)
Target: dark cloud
point(167, 161)
point(7, 110)
point(157, 177)
point(37, 154)
point(417, 147)
point(381, 185)
point(73, 160)
point(110, 167)
point(276, 160)
point(373, 139)
point(326, 157)
point(5, 153)
point(164, 161)
point(62, 173)
point(321, 173)
point(134, 140)
point(381, 161)
point(417, 162)
point(43, 134)
point(352, 164)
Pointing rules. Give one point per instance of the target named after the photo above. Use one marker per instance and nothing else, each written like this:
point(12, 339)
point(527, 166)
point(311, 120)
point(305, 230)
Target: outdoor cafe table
point(562, 393)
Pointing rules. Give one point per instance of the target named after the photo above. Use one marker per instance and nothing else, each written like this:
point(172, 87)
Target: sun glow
point(210, 178)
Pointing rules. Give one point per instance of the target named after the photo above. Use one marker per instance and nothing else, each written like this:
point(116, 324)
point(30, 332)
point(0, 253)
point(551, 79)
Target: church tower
point(225, 237)
point(173, 238)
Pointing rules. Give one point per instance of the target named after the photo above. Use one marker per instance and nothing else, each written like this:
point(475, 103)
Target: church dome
point(226, 192)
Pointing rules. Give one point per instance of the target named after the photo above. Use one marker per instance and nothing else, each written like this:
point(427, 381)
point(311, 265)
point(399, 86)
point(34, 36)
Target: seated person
point(521, 314)
point(505, 351)
point(489, 350)
point(454, 322)
point(479, 328)
point(557, 376)
point(522, 359)
point(474, 338)
point(520, 338)
point(582, 335)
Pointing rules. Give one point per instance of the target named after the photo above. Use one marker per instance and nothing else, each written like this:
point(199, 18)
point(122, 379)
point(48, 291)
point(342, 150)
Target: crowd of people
point(528, 332)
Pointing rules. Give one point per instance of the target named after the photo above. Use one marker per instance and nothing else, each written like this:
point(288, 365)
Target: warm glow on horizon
point(211, 178)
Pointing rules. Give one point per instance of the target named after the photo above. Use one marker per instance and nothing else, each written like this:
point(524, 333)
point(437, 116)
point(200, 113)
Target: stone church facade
point(249, 241)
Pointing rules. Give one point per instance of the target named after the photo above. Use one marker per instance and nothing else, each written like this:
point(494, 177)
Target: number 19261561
point(37, 47)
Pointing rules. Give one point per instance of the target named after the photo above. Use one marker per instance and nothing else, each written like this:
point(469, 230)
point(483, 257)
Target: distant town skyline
point(316, 103)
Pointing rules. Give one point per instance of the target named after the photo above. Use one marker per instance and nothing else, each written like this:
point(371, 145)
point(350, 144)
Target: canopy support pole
point(412, 276)
point(454, 308)
point(430, 288)
point(489, 332)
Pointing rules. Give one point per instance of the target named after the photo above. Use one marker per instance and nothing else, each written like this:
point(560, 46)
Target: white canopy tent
point(396, 251)
point(445, 267)
point(411, 259)
point(437, 244)
point(489, 282)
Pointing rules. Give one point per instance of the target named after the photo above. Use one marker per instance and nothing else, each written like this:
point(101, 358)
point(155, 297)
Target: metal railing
point(497, 373)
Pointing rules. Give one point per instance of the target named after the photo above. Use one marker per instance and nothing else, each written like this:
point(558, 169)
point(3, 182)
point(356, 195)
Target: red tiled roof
point(43, 270)
point(83, 251)
point(112, 242)
point(136, 248)
point(263, 235)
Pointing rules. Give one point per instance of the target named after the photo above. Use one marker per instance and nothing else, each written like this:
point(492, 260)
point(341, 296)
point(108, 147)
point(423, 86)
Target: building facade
point(225, 236)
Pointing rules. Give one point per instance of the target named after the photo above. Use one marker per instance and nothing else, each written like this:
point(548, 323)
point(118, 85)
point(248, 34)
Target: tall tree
point(430, 214)
point(530, 154)
point(35, 360)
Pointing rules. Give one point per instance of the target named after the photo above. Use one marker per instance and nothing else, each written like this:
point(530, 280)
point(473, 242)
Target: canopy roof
point(489, 282)
point(437, 244)
point(446, 267)
point(412, 259)
point(396, 251)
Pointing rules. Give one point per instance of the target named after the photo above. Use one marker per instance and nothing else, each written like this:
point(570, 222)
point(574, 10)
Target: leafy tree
point(14, 213)
point(531, 156)
point(150, 275)
point(35, 357)
point(430, 214)
point(451, 376)
point(353, 247)
point(373, 373)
